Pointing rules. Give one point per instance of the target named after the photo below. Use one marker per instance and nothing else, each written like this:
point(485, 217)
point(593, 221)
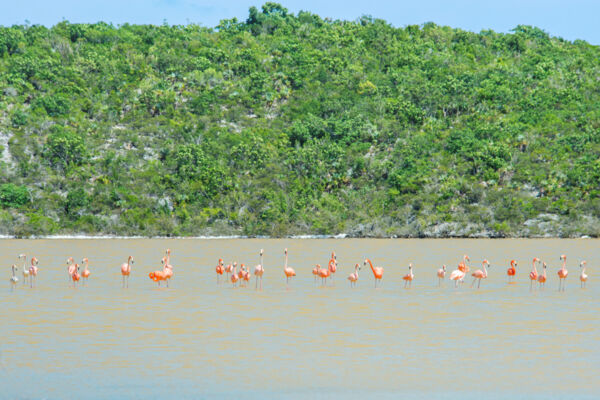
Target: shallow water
point(198, 340)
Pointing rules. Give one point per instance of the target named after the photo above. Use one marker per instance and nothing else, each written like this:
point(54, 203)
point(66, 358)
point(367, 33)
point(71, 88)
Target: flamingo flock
point(242, 276)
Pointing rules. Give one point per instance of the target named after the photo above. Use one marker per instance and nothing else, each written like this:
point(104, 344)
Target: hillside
point(292, 124)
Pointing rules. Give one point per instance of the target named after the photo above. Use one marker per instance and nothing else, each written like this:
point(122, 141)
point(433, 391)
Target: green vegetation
point(292, 124)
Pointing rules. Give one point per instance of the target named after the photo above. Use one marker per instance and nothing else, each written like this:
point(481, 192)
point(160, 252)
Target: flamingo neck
point(371, 265)
point(534, 268)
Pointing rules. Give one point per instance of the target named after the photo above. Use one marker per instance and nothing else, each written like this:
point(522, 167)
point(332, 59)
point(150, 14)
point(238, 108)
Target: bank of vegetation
point(289, 124)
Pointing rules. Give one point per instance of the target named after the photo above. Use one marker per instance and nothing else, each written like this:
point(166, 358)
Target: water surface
point(197, 340)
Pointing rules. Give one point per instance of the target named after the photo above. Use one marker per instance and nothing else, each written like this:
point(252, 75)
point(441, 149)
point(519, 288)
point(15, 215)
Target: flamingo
point(479, 274)
point(562, 274)
point(241, 273)
point(458, 275)
point(259, 270)
point(288, 271)
point(583, 276)
point(228, 270)
point(159, 275)
point(315, 272)
point(377, 271)
point(441, 274)
point(332, 266)
point(354, 276)
point(408, 278)
point(76, 276)
point(168, 268)
point(86, 272)
point(542, 278)
point(533, 275)
point(126, 270)
point(33, 270)
point(13, 278)
point(511, 271)
point(219, 269)
point(246, 276)
point(24, 269)
point(234, 277)
point(70, 267)
point(463, 265)
point(324, 273)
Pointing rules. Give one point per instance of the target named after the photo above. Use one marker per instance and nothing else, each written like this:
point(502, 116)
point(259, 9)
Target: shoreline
point(293, 237)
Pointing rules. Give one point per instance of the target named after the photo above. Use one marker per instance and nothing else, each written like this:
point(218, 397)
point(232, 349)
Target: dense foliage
point(293, 124)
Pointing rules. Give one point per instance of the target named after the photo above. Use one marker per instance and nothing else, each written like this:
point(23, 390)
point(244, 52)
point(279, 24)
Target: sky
point(574, 19)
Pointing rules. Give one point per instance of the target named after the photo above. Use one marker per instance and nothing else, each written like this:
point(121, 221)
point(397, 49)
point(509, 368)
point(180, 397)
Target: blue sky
point(574, 19)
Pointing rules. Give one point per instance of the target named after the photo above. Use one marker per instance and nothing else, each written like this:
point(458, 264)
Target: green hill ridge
point(291, 124)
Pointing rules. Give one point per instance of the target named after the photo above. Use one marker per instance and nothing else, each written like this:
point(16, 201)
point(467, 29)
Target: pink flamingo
point(219, 269)
point(324, 273)
point(86, 272)
point(246, 275)
point(76, 276)
point(480, 274)
point(259, 270)
point(377, 271)
point(159, 275)
point(512, 271)
point(408, 278)
point(542, 278)
point(24, 269)
point(70, 268)
point(457, 275)
point(354, 276)
point(441, 274)
point(168, 268)
point(533, 275)
point(288, 271)
point(332, 266)
point(562, 274)
point(241, 273)
point(234, 277)
point(33, 270)
point(126, 270)
point(228, 270)
point(583, 276)
point(315, 272)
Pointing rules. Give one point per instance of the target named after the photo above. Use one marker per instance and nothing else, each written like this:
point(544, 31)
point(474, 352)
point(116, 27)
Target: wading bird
point(126, 270)
point(288, 271)
point(234, 278)
point(33, 270)
point(353, 277)
point(70, 268)
point(457, 275)
point(377, 271)
point(441, 274)
point(583, 276)
point(408, 278)
point(86, 271)
point(324, 273)
point(480, 274)
point(542, 278)
point(228, 270)
point(315, 272)
point(76, 276)
point(512, 271)
point(332, 266)
point(219, 269)
point(562, 274)
point(533, 275)
point(13, 278)
point(259, 270)
point(25, 270)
